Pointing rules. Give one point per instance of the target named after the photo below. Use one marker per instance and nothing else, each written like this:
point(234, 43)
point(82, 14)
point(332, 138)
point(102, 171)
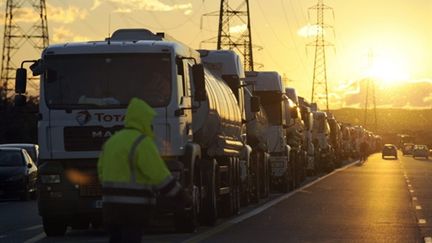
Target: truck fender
point(190, 157)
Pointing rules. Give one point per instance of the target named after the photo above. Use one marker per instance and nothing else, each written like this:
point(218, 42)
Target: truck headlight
point(50, 179)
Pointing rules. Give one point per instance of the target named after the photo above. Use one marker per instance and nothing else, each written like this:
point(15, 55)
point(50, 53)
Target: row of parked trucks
point(229, 136)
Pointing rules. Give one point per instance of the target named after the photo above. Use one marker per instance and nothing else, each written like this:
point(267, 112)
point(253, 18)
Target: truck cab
point(321, 140)
point(268, 87)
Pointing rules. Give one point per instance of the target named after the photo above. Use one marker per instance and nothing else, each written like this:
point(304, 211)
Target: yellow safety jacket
point(130, 168)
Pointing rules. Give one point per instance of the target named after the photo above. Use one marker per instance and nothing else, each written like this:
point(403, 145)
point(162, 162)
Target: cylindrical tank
point(217, 123)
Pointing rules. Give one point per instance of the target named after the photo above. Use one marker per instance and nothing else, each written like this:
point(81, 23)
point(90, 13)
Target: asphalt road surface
point(378, 201)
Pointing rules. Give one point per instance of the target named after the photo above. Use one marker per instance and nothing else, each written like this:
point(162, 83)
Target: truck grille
point(89, 138)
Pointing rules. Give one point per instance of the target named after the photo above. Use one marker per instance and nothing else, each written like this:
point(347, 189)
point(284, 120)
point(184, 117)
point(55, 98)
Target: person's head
point(139, 116)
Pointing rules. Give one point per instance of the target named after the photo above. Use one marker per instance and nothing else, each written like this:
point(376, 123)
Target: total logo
point(83, 117)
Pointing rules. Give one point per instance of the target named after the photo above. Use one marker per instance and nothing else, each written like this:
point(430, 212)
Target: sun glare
point(389, 72)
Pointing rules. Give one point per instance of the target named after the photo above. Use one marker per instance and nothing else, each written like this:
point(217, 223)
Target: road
point(378, 201)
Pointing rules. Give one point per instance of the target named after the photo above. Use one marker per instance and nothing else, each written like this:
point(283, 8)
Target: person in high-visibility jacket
point(132, 173)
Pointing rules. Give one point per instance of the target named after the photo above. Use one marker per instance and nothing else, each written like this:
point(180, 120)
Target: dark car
point(32, 149)
point(18, 173)
point(389, 150)
point(407, 148)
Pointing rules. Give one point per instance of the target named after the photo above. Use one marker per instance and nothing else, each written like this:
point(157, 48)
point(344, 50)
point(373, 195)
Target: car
point(389, 150)
point(407, 148)
point(32, 149)
point(18, 173)
point(420, 150)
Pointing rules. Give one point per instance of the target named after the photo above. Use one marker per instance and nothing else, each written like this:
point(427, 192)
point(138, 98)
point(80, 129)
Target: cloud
point(62, 34)
point(126, 6)
point(55, 14)
point(310, 30)
point(413, 94)
point(237, 29)
point(66, 15)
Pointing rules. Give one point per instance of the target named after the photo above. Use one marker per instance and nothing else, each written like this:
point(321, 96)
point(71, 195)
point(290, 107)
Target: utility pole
point(234, 31)
point(370, 87)
point(319, 79)
point(20, 36)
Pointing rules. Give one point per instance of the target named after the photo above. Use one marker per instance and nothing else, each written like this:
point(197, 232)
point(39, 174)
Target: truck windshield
point(107, 80)
point(271, 102)
point(320, 124)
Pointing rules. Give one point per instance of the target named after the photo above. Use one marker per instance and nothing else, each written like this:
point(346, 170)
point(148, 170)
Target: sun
point(389, 71)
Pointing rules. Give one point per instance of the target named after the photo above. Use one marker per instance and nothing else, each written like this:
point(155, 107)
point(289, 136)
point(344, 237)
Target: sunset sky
point(397, 33)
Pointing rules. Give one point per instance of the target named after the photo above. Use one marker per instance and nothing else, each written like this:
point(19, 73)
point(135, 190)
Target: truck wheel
point(54, 226)
point(264, 175)
point(208, 213)
point(255, 180)
point(186, 221)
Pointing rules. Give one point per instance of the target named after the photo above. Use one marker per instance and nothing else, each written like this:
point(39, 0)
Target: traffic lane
point(18, 220)
point(368, 203)
point(419, 180)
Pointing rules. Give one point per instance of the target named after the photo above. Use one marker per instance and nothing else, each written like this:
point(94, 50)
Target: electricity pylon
point(370, 88)
point(21, 33)
point(319, 79)
point(234, 31)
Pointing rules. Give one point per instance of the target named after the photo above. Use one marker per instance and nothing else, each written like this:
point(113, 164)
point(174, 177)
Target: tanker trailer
point(197, 127)
point(226, 65)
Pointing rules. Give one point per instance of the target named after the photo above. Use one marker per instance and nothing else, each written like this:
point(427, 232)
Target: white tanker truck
point(85, 88)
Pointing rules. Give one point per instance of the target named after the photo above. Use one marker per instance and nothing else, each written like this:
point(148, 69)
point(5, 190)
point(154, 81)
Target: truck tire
point(209, 213)
point(54, 226)
point(264, 175)
point(255, 177)
point(80, 224)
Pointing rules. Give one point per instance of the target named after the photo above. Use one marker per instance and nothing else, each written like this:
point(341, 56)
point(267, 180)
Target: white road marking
point(422, 221)
point(35, 238)
point(409, 185)
point(229, 223)
point(418, 207)
point(414, 198)
point(411, 191)
point(32, 227)
point(428, 239)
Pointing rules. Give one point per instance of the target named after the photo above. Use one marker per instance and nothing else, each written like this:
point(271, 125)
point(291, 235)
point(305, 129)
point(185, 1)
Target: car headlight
point(50, 179)
point(15, 177)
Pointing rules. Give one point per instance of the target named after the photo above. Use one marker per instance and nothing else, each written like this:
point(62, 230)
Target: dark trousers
point(125, 233)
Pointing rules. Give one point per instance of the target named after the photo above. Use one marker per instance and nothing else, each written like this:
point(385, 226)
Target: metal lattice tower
point(319, 80)
point(241, 41)
point(370, 97)
point(21, 35)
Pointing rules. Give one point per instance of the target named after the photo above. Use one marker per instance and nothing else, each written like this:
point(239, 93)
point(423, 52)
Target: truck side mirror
point(199, 82)
point(20, 100)
point(255, 103)
point(21, 81)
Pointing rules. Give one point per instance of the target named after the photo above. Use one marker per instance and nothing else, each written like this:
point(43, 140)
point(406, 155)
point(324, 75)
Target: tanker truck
point(307, 117)
point(294, 135)
point(268, 87)
point(254, 168)
point(85, 89)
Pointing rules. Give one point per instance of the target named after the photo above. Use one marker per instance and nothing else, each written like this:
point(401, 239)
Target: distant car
point(32, 149)
point(389, 150)
point(407, 148)
point(18, 173)
point(420, 151)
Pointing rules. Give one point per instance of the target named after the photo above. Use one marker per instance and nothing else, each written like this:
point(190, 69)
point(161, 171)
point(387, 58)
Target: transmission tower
point(370, 96)
point(20, 36)
point(319, 80)
point(234, 32)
